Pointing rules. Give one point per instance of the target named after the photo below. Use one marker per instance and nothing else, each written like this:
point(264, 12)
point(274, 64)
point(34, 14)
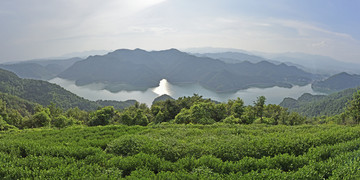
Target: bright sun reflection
point(163, 88)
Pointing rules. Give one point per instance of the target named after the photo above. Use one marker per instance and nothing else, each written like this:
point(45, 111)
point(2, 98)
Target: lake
point(95, 92)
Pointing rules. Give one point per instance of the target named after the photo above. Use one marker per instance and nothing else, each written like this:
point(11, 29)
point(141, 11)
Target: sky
point(33, 29)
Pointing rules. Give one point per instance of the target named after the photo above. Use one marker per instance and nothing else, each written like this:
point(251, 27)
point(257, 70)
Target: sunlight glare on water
point(163, 88)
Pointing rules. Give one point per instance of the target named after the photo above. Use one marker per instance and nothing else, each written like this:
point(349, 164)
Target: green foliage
point(40, 119)
point(61, 121)
point(4, 126)
point(102, 116)
point(232, 120)
point(319, 105)
point(199, 113)
point(128, 145)
point(139, 114)
point(354, 107)
point(259, 106)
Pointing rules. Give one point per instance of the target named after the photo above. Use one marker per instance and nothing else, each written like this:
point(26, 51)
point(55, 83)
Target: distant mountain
point(138, 69)
point(337, 82)
point(29, 70)
point(44, 69)
point(318, 105)
point(234, 57)
point(42, 92)
point(203, 50)
point(315, 64)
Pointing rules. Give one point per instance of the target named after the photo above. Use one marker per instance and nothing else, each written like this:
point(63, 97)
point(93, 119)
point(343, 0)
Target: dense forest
point(22, 114)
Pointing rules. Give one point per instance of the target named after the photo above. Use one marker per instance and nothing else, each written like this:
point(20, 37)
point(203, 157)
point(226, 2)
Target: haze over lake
point(95, 92)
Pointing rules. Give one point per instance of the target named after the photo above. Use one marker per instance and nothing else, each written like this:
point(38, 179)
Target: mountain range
point(221, 70)
point(315, 64)
point(139, 69)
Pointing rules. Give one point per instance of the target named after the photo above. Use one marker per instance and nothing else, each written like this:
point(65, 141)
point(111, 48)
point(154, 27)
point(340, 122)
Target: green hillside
point(337, 83)
point(318, 105)
point(45, 93)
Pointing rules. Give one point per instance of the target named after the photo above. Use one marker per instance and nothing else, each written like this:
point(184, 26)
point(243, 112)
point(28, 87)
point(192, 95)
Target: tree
point(259, 107)
point(77, 114)
point(3, 112)
point(160, 117)
point(102, 116)
point(125, 118)
point(41, 119)
point(354, 108)
point(5, 126)
point(54, 110)
point(14, 118)
point(61, 121)
point(237, 107)
point(220, 112)
point(273, 112)
point(199, 113)
point(140, 118)
point(249, 115)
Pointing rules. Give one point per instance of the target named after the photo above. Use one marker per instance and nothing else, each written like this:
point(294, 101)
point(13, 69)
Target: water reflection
point(163, 88)
point(94, 92)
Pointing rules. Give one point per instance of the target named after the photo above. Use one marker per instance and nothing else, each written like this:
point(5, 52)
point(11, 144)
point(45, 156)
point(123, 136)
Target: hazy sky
point(47, 28)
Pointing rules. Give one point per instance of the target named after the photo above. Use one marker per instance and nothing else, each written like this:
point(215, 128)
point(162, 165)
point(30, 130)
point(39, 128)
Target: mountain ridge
point(144, 69)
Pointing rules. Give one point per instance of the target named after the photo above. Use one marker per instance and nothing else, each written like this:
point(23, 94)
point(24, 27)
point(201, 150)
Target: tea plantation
point(178, 151)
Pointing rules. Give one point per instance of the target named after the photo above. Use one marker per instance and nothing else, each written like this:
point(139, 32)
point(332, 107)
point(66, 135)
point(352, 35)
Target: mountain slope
point(138, 69)
point(337, 82)
point(29, 70)
point(318, 105)
point(42, 92)
point(24, 107)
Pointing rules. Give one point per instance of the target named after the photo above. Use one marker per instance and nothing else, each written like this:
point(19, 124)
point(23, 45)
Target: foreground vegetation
point(187, 138)
point(170, 151)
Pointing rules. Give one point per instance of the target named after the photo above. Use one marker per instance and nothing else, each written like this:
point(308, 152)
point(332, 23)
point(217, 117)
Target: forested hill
point(139, 69)
point(318, 105)
point(337, 82)
point(42, 92)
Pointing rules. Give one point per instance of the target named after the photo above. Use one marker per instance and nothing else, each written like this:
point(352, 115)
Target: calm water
point(94, 92)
